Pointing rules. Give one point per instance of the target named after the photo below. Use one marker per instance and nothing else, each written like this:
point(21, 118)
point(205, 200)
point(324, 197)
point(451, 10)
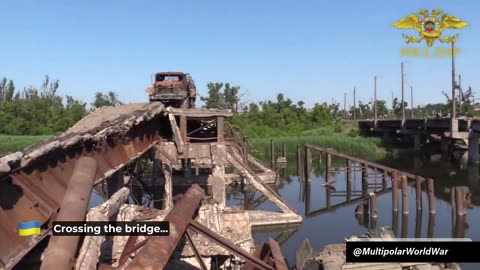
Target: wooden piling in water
point(431, 196)
point(404, 233)
point(373, 205)
point(384, 180)
point(418, 193)
point(348, 170)
point(431, 225)
point(395, 223)
point(284, 150)
point(364, 172)
point(395, 191)
point(418, 225)
point(308, 163)
point(459, 201)
point(404, 195)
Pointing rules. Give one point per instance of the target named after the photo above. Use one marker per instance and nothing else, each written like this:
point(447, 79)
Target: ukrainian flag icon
point(29, 228)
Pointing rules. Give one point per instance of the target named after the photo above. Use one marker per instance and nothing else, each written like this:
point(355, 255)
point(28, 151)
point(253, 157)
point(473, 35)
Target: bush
point(337, 129)
point(353, 133)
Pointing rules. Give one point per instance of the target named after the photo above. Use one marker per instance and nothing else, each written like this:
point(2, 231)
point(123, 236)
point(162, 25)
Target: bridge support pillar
point(219, 154)
point(417, 143)
point(473, 155)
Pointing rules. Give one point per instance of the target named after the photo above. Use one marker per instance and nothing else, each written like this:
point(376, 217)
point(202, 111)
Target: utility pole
point(454, 109)
point(354, 105)
point(345, 106)
point(375, 98)
point(411, 98)
point(403, 100)
point(460, 93)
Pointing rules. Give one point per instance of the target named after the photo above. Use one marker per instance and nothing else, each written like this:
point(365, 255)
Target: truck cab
point(175, 89)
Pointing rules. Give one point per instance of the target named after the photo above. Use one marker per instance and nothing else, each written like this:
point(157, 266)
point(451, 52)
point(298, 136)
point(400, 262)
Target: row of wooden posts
point(398, 178)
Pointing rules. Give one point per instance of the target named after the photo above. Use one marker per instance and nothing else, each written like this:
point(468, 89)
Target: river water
point(324, 223)
point(328, 219)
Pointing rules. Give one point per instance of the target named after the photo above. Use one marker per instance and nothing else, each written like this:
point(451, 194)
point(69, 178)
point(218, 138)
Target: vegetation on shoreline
point(10, 143)
point(367, 148)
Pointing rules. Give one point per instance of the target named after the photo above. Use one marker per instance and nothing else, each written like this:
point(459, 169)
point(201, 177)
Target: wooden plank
point(220, 132)
point(176, 133)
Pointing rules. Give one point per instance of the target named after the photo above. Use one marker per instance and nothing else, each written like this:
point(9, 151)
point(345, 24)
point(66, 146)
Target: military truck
point(176, 89)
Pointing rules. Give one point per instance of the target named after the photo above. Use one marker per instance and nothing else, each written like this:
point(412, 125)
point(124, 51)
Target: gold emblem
point(430, 27)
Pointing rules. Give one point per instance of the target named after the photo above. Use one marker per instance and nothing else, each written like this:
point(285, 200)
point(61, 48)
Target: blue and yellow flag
point(29, 228)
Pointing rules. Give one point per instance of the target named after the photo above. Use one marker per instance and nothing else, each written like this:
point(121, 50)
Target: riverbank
point(337, 137)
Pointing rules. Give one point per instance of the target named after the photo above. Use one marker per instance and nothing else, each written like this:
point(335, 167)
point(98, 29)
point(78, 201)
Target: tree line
point(284, 117)
point(42, 111)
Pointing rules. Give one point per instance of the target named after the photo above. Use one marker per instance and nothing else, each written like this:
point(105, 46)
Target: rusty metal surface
point(33, 186)
point(158, 250)
point(61, 250)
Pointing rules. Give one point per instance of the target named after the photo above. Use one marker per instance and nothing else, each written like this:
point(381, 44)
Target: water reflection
point(331, 212)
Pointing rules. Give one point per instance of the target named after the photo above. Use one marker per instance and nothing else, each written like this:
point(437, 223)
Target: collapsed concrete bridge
point(121, 143)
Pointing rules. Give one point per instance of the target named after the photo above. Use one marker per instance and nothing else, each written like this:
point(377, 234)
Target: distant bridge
point(448, 129)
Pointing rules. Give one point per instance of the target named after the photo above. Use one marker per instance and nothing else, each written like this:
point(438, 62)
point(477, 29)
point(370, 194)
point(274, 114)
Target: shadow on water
point(330, 213)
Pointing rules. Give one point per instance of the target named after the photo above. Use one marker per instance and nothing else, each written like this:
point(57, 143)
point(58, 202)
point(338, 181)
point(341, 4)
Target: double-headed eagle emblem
point(430, 27)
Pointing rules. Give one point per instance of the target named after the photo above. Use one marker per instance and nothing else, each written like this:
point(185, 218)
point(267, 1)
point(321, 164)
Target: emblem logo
point(430, 27)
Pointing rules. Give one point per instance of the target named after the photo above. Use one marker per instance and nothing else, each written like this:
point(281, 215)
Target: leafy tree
point(397, 107)
point(109, 99)
point(382, 110)
point(33, 111)
point(222, 96)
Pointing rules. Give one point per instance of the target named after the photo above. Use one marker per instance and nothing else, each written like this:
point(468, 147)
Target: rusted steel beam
point(61, 249)
point(277, 255)
point(195, 250)
point(227, 244)
point(257, 254)
point(158, 250)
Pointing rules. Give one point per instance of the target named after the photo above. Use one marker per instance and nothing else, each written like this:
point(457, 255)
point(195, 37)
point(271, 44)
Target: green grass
point(10, 143)
point(367, 148)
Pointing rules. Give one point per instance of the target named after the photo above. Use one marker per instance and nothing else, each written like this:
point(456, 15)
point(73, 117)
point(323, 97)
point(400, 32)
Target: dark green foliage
point(42, 111)
point(218, 98)
point(281, 118)
point(353, 133)
point(109, 99)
